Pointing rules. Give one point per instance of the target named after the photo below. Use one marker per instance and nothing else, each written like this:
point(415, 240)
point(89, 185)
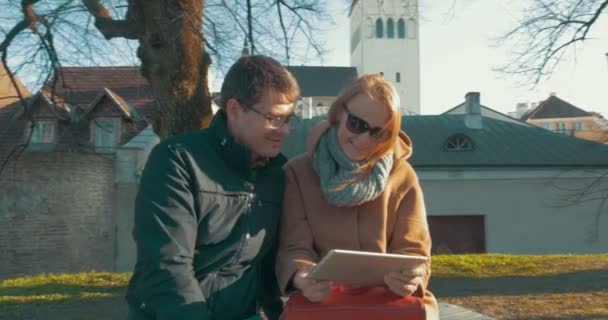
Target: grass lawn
point(503, 286)
point(525, 287)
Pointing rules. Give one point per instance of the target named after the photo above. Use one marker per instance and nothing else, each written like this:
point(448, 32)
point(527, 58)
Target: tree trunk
point(174, 62)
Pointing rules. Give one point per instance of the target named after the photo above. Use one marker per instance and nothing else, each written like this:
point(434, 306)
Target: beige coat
point(395, 222)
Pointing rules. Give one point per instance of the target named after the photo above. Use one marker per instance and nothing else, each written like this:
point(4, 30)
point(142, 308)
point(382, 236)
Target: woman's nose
point(362, 140)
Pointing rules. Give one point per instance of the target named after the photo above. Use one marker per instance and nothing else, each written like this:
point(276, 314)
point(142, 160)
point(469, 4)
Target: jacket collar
point(234, 154)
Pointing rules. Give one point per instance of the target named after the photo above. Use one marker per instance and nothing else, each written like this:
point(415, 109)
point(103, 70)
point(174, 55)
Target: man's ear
point(232, 110)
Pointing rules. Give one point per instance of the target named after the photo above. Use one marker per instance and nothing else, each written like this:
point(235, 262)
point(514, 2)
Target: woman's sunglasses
point(357, 125)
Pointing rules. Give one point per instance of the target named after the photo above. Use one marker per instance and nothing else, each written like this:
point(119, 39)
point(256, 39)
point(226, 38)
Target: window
point(379, 28)
point(382, 73)
point(546, 126)
point(577, 126)
point(398, 77)
point(560, 128)
point(390, 28)
point(458, 142)
point(105, 134)
point(43, 132)
point(401, 29)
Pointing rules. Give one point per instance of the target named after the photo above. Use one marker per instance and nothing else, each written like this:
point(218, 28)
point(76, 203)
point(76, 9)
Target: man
point(207, 211)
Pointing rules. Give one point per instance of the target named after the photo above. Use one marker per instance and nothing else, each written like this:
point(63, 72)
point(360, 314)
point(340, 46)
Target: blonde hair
point(383, 93)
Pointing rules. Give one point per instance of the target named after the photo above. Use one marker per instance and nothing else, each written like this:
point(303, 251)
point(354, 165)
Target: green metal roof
point(497, 144)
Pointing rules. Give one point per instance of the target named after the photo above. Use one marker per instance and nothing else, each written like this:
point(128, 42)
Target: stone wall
point(57, 214)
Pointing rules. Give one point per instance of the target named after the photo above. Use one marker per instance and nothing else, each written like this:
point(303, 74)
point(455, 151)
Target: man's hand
point(406, 282)
point(313, 290)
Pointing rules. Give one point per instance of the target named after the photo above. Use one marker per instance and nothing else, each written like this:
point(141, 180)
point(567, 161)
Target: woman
point(354, 190)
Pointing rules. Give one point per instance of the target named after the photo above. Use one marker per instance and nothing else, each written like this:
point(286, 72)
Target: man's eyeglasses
point(357, 125)
point(275, 122)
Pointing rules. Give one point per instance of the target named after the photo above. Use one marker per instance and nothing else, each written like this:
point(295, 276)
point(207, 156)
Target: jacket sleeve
point(296, 239)
point(166, 225)
point(410, 233)
point(269, 298)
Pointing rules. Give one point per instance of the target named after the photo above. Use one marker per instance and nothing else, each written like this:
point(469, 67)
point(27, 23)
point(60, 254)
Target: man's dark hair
point(251, 77)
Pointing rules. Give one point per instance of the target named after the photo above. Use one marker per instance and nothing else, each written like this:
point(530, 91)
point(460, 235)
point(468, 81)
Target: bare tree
point(176, 41)
point(594, 191)
point(548, 30)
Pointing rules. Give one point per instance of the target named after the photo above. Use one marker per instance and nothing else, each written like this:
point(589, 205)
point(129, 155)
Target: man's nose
point(284, 130)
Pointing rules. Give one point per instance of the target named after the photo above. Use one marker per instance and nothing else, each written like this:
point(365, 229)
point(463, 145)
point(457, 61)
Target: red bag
point(376, 303)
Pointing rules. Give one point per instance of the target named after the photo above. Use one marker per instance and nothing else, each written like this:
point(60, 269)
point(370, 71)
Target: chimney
point(520, 109)
point(245, 51)
point(473, 118)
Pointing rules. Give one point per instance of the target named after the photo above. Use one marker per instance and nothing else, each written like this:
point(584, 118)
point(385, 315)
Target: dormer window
point(105, 134)
point(458, 142)
point(43, 132)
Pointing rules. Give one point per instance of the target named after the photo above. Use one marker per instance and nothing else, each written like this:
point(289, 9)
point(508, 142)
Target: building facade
point(384, 39)
point(562, 117)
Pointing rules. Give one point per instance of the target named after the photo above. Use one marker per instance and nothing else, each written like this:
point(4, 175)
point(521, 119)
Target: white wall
point(520, 212)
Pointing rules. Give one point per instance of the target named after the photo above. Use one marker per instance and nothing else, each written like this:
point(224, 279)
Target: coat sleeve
point(166, 225)
point(296, 239)
point(410, 231)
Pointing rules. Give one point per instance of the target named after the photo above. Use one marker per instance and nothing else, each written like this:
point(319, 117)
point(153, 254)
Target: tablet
point(362, 268)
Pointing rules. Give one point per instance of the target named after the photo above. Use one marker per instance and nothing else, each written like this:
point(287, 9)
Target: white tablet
point(362, 268)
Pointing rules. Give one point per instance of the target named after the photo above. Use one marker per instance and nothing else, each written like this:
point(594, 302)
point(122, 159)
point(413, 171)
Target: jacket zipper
point(247, 235)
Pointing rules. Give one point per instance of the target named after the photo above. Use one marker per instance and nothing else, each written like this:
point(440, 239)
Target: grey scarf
point(335, 169)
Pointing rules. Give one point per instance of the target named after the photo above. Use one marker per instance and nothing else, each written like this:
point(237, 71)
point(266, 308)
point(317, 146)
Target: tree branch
point(547, 32)
point(284, 32)
point(250, 27)
point(110, 28)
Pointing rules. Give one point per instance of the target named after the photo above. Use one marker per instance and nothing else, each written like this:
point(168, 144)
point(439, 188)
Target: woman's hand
point(406, 282)
point(313, 290)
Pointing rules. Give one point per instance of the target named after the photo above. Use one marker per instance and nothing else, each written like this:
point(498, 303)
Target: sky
point(458, 55)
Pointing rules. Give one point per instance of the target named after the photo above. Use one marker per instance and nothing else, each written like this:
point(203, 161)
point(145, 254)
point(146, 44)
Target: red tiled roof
point(74, 96)
point(81, 85)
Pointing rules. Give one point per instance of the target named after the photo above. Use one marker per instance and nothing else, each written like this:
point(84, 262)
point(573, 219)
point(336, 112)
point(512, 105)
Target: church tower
point(384, 39)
